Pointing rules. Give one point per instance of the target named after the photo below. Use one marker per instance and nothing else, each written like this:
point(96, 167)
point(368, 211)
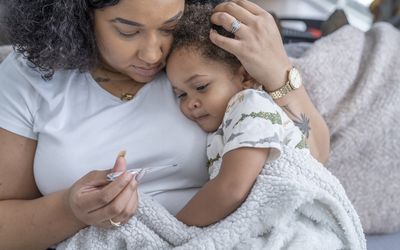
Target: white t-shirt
point(252, 119)
point(80, 127)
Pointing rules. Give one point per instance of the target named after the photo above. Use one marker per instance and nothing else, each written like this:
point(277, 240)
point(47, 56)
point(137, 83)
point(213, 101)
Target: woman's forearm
point(260, 50)
point(36, 224)
point(298, 106)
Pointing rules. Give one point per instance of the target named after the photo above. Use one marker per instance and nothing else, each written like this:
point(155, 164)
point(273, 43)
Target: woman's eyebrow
point(174, 18)
point(133, 23)
point(126, 21)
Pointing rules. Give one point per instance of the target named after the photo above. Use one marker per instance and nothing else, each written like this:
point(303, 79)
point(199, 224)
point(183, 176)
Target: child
point(246, 127)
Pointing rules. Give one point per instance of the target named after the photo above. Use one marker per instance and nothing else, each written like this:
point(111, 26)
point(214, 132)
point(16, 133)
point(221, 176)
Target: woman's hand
point(257, 43)
point(94, 201)
point(258, 46)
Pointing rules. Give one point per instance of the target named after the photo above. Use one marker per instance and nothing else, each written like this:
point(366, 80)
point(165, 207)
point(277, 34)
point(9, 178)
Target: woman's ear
point(247, 81)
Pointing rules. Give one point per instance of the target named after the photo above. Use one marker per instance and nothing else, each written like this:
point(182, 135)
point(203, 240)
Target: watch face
point(295, 78)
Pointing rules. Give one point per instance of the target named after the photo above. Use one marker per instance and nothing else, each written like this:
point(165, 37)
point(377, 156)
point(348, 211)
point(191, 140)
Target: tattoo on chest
point(102, 79)
point(301, 121)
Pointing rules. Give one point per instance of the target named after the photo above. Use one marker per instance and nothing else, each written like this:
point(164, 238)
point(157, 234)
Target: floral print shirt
point(252, 119)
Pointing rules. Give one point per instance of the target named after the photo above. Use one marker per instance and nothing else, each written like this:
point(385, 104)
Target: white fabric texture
point(80, 127)
point(252, 119)
point(295, 204)
point(353, 79)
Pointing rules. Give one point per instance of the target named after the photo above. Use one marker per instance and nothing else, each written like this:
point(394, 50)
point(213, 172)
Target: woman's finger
point(96, 178)
point(106, 224)
point(83, 189)
point(226, 21)
point(231, 45)
point(116, 209)
point(236, 11)
point(120, 162)
point(131, 206)
point(130, 210)
point(99, 197)
point(250, 6)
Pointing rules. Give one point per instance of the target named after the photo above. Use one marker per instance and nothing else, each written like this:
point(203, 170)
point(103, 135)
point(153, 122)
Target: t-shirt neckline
point(140, 92)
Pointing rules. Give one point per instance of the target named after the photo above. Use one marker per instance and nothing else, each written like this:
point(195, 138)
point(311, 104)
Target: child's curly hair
point(192, 32)
point(56, 34)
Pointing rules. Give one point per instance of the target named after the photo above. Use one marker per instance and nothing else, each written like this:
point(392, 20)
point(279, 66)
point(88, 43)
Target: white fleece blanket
point(353, 78)
point(295, 204)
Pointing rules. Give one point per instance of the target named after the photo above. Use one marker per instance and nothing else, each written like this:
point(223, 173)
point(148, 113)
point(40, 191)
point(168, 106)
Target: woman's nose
point(151, 52)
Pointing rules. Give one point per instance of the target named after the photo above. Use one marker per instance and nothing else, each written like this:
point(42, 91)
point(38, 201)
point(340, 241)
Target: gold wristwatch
point(294, 82)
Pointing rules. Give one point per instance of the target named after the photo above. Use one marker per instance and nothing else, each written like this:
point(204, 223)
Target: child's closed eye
point(202, 87)
point(179, 94)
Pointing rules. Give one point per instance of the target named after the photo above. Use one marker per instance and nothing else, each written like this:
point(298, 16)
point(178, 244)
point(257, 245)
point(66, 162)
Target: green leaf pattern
point(246, 106)
point(275, 118)
point(303, 143)
point(211, 161)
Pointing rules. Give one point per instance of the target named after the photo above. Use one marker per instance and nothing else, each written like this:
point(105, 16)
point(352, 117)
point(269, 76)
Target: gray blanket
point(354, 79)
point(295, 204)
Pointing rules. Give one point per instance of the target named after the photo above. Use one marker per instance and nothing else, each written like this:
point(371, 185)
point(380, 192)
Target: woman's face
point(134, 37)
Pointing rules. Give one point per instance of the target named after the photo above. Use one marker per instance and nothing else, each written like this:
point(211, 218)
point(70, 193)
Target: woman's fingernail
point(223, 16)
point(212, 34)
point(122, 153)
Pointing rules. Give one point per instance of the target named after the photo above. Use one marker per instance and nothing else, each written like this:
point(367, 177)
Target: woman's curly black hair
point(52, 34)
point(192, 33)
point(55, 34)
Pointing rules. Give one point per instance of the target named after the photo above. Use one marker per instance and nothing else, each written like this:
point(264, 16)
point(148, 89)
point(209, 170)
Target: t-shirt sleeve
point(252, 119)
point(18, 99)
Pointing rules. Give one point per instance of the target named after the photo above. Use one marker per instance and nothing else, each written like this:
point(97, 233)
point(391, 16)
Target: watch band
point(281, 92)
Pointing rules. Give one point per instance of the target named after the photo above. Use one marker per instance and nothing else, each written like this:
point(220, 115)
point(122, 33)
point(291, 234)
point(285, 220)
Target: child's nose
point(194, 103)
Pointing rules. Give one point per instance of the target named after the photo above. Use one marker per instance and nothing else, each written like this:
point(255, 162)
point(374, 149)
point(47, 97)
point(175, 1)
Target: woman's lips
point(146, 71)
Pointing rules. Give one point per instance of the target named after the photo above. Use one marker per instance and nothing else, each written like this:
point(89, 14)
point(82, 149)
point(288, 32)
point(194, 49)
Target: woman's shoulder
point(22, 85)
point(14, 60)
point(18, 74)
point(15, 65)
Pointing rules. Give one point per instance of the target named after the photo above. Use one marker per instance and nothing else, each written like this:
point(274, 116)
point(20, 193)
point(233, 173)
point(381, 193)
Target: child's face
point(204, 87)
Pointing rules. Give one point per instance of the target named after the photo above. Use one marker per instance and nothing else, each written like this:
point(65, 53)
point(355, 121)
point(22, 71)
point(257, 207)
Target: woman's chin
point(144, 76)
point(143, 79)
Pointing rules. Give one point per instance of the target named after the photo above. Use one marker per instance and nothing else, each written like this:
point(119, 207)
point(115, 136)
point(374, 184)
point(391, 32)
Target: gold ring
point(115, 224)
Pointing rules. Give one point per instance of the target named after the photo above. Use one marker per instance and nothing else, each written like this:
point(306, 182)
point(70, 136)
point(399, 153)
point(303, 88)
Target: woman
point(92, 85)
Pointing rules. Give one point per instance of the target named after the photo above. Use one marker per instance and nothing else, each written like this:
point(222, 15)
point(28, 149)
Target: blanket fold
point(294, 204)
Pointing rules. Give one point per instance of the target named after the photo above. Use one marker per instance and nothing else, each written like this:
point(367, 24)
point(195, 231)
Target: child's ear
point(247, 81)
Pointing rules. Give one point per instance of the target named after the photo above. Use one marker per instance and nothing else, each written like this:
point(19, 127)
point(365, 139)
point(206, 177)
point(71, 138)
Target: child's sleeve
point(252, 119)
